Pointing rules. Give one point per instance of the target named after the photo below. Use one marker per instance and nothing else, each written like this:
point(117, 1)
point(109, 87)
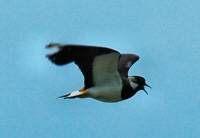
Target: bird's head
point(138, 83)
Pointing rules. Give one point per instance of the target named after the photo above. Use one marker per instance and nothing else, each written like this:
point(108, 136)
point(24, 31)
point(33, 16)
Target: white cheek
point(133, 85)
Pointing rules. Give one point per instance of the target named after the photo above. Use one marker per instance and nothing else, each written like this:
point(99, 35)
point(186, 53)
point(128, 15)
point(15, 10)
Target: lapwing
point(105, 71)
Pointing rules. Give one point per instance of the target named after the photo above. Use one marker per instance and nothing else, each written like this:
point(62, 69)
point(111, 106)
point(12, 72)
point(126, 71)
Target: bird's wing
point(99, 65)
point(125, 62)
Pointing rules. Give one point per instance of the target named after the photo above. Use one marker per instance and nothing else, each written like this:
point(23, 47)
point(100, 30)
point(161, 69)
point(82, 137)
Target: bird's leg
point(82, 90)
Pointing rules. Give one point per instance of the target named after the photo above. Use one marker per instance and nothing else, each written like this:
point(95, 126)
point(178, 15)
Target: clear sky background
point(164, 33)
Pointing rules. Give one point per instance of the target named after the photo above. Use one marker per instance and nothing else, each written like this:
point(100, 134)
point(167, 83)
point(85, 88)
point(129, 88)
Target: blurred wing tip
point(138, 57)
point(47, 55)
point(54, 45)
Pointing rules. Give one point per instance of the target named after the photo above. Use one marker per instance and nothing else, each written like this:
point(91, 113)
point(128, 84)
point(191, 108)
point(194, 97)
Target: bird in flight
point(105, 71)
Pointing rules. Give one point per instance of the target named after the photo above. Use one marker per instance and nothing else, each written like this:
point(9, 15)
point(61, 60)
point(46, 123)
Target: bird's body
point(106, 93)
point(105, 72)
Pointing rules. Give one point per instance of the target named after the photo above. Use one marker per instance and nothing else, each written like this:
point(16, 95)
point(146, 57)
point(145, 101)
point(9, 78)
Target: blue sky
point(165, 34)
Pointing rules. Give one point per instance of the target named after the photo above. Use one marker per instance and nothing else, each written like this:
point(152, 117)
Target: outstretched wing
point(125, 62)
point(99, 65)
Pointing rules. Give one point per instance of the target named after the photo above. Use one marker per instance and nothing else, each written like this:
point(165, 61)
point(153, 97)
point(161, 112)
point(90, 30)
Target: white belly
point(106, 93)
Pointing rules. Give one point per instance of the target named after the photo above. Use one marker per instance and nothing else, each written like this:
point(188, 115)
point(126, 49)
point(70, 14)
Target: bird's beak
point(147, 85)
point(145, 90)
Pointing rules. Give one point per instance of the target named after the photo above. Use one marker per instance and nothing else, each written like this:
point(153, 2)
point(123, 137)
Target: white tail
point(74, 95)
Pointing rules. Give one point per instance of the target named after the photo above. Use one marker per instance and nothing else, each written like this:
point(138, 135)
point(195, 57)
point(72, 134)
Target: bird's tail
point(75, 94)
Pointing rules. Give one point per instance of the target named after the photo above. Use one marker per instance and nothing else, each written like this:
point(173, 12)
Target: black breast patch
point(127, 92)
